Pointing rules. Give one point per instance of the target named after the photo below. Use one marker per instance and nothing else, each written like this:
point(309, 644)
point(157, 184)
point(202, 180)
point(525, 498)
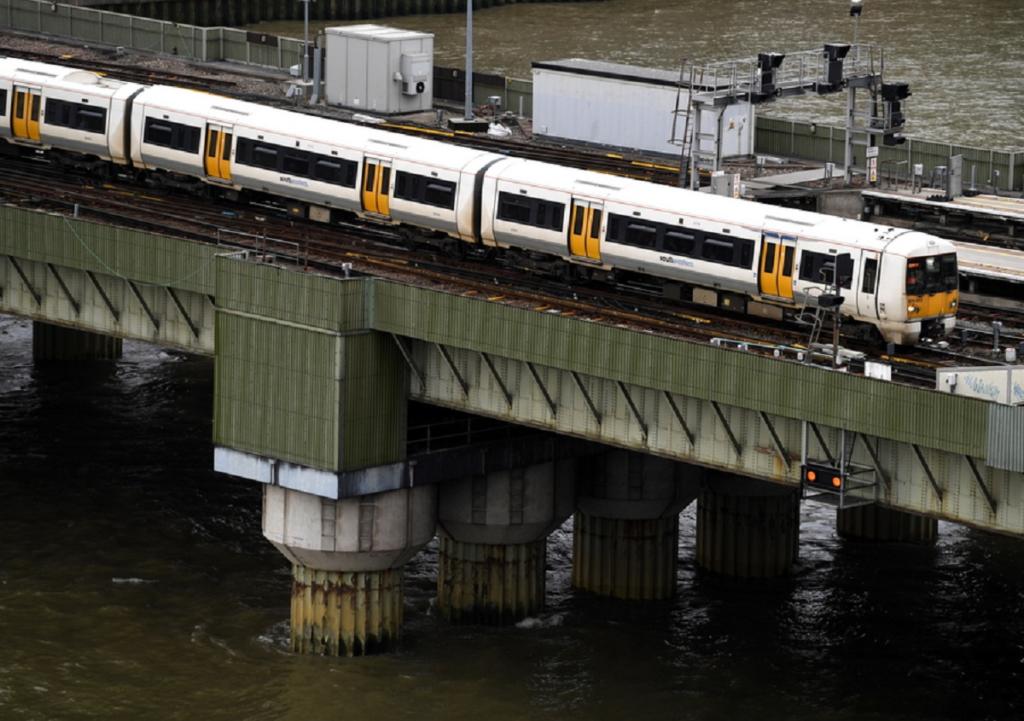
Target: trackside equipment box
point(379, 69)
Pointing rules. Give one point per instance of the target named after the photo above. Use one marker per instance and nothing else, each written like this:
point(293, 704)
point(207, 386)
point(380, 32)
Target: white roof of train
point(227, 111)
point(27, 71)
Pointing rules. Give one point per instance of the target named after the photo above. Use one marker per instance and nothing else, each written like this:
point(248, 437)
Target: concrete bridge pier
point(876, 523)
point(626, 536)
point(57, 343)
point(347, 557)
point(493, 531)
point(747, 528)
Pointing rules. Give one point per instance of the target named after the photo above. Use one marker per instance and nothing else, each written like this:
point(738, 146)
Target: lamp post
point(856, 8)
point(468, 115)
point(305, 43)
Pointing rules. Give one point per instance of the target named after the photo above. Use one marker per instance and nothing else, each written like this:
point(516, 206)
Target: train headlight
point(952, 304)
point(912, 308)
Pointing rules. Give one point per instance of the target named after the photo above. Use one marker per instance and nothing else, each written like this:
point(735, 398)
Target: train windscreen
point(931, 274)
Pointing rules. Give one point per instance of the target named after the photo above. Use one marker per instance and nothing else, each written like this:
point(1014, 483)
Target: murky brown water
point(964, 59)
point(135, 584)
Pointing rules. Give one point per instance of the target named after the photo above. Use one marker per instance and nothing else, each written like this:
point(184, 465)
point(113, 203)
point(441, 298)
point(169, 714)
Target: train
point(574, 224)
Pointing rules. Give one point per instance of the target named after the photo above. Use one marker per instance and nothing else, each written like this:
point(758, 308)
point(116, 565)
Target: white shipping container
point(627, 107)
point(379, 69)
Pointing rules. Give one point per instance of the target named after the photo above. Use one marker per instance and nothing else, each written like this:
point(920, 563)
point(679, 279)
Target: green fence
point(138, 33)
point(825, 143)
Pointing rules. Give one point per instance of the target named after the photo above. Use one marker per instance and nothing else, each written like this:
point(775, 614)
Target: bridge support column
point(747, 528)
point(875, 523)
point(493, 531)
point(626, 535)
point(57, 343)
point(347, 558)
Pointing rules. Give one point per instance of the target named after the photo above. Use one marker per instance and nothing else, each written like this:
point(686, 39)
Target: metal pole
point(469, 60)
point(305, 44)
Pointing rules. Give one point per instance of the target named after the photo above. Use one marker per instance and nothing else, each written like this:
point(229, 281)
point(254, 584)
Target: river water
point(135, 584)
point(964, 59)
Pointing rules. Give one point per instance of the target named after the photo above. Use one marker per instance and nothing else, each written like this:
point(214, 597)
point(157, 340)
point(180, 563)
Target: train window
point(595, 224)
point(327, 171)
point(788, 251)
point(296, 163)
point(158, 133)
point(530, 211)
point(175, 136)
point(264, 156)
point(950, 274)
point(679, 243)
point(3, 102)
point(642, 235)
point(556, 214)
point(369, 175)
point(514, 208)
point(421, 189)
point(717, 250)
point(34, 112)
point(819, 267)
point(226, 154)
point(867, 284)
point(19, 105)
point(77, 116)
point(931, 274)
point(577, 223)
point(768, 263)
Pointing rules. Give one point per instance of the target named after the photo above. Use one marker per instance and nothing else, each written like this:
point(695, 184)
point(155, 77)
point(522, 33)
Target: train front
point(928, 282)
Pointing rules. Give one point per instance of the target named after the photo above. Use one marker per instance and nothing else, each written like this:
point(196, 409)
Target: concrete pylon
point(493, 531)
point(57, 343)
point(626, 535)
point(747, 528)
point(347, 558)
point(876, 523)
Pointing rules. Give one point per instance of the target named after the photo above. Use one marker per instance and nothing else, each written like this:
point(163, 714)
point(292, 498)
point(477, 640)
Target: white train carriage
point(736, 254)
point(320, 162)
point(719, 251)
point(51, 106)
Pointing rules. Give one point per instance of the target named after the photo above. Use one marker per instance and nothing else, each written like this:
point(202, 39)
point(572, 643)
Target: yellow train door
point(777, 255)
point(585, 230)
point(377, 186)
point(25, 117)
point(218, 151)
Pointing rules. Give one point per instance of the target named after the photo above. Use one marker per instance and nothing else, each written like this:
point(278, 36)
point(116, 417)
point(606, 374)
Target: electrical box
point(379, 69)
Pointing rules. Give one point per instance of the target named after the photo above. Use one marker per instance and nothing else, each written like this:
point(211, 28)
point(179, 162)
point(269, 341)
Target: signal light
point(819, 475)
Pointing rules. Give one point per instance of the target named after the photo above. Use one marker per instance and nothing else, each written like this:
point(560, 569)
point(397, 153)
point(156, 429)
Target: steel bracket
point(104, 296)
point(586, 396)
point(927, 471)
point(453, 368)
point(728, 429)
point(145, 306)
point(497, 378)
point(409, 361)
point(780, 449)
point(543, 389)
point(64, 287)
point(679, 417)
point(632, 406)
point(24, 279)
point(981, 483)
point(184, 313)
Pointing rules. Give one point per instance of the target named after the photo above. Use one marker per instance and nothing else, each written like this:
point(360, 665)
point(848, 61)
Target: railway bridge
point(315, 371)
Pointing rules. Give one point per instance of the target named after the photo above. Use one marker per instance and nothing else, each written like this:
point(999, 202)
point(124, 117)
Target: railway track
point(380, 251)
